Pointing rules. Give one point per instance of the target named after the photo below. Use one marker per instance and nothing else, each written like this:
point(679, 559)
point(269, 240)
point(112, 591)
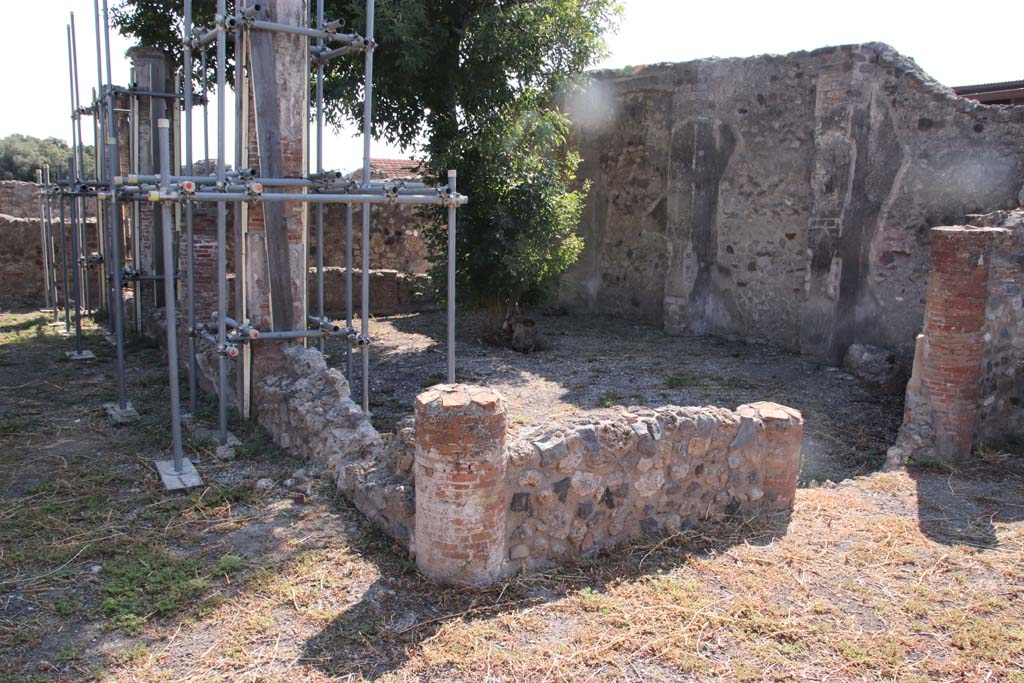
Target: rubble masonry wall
point(786, 198)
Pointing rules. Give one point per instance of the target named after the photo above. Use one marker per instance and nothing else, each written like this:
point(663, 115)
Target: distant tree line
point(21, 155)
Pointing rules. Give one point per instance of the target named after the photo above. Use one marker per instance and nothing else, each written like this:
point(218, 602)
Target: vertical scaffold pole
point(206, 112)
point(64, 259)
point(79, 174)
point(98, 165)
point(222, 294)
point(79, 261)
point(190, 277)
point(320, 169)
point(164, 132)
point(113, 160)
point(99, 145)
point(348, 292)
point(52, 250)
point(367, 133)
point(74, 250)
point(451, 279)
point(43, 250)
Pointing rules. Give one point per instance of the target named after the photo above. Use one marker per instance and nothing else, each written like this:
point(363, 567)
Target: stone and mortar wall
point(21, 259)
point(1001, 410)
point(591, 486)
point(21, 263)
point(391, 291)
point(784, 198)
point(444, 485)
point(966, 388)
point(396, 238)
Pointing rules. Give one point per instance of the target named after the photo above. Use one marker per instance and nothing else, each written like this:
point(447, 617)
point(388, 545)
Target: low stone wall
point(594, 485)
point(308, 410)
point(21, 263)
point(390, 292)
point(485, 509)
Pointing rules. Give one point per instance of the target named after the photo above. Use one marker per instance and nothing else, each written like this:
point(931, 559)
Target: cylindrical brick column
point(784, 431)
point(460, 484)
point(953, 320)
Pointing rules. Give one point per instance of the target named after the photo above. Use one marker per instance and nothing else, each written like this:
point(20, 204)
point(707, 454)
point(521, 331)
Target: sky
point(956, 43)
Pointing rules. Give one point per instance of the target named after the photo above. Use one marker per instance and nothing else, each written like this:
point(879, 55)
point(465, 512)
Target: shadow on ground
point(400, 611)
point(963, 507)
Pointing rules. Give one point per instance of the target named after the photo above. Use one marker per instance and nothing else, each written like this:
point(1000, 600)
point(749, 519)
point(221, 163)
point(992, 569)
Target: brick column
point(950, 370)
point(460, 484)
point(784, 430)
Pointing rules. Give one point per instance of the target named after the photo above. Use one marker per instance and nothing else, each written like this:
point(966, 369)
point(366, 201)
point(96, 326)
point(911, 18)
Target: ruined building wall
point(475, 502)
point(1002, 366)
point(396, 238)
point(785, 198)
point(966, 388)
point(21, 256)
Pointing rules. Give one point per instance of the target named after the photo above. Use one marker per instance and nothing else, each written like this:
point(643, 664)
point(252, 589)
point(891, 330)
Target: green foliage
point(21, 155)
point(477, 80)
point(148, 582)
point(518, 233)
point(227, 564)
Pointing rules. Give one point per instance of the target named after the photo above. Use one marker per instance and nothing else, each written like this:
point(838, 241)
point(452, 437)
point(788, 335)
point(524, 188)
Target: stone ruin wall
point(1001, 400)
point(396, 238)
point(781, 198)
point(966, 389)
point(473, 502)
point(21, 256)
point(595, 485)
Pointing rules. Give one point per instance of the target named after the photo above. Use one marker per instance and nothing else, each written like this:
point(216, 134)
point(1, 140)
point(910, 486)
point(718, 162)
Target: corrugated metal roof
point(987, 87)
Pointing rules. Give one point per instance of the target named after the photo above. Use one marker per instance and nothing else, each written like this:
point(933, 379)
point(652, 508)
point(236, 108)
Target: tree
point(477, 80)
point(21, 155)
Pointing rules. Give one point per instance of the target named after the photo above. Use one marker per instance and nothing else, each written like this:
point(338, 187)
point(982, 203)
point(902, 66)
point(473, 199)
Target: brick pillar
point(460, 484)
point(784, 430)
point(950, 371)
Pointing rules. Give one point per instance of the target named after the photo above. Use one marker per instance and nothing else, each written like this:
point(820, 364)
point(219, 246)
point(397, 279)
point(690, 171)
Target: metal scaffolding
point(178, 191)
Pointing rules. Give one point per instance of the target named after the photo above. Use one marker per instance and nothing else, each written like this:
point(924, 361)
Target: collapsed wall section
point(784, 198)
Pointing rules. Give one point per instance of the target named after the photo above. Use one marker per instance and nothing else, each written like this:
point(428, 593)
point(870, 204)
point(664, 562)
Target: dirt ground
point(599, 366)
point(911, 576)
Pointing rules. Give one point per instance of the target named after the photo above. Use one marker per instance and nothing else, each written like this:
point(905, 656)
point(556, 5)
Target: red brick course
point(954, 318)
point(460, 484)
point(784, 428)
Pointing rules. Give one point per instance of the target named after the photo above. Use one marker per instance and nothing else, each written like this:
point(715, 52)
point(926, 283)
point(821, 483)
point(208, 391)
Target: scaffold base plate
point(84, 355)
point(188, 478)
point(121, 416)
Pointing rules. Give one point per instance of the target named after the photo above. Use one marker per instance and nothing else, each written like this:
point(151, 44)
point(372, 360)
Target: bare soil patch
point(596, 367)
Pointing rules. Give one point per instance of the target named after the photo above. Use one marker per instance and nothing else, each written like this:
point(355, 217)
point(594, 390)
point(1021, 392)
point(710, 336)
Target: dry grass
point(892, 577)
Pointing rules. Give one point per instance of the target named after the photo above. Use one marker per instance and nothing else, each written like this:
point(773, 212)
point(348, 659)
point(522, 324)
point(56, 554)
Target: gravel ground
point(597, 367)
